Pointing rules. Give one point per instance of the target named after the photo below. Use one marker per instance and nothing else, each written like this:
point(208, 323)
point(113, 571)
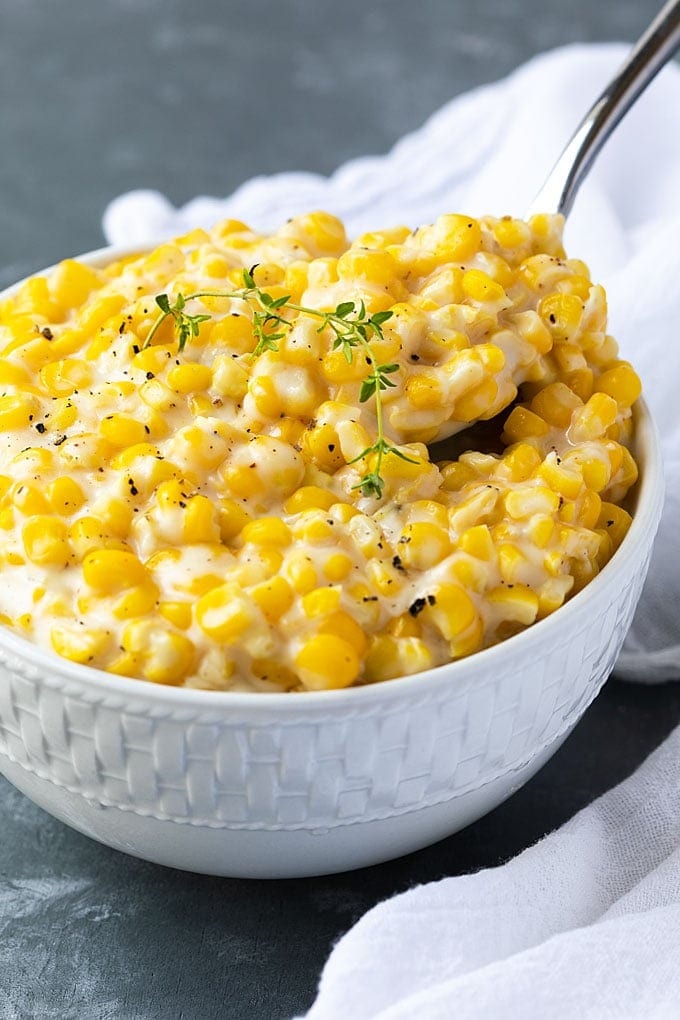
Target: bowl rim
point(648, 495)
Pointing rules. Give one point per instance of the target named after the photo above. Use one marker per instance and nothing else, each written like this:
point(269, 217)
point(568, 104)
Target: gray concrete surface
point(98, 97)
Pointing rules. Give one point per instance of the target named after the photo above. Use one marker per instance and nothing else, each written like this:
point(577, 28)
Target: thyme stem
point(352, 327)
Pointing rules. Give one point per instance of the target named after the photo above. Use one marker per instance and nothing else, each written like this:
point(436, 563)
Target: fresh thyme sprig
point(351, 325)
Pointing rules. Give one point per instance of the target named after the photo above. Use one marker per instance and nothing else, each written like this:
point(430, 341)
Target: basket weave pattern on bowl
point(313, 768)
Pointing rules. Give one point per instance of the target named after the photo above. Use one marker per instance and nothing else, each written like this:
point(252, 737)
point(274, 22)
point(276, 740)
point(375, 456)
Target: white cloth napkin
point(587, 922)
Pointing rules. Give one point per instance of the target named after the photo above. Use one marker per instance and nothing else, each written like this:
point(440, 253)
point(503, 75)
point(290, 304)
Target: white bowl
point(281, 785)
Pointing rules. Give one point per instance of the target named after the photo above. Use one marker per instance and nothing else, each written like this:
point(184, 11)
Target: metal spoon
point(654, 49)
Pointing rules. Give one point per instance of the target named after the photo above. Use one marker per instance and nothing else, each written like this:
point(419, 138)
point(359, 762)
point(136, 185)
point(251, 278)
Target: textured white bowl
point(281, 785)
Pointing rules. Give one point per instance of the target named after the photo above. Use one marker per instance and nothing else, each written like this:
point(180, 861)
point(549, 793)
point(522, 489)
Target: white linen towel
point(587, 922)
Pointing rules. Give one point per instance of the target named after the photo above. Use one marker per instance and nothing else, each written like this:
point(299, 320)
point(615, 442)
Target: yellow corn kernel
point(233, 331)
point(77, 643)
point(71, 283)
point(451, 610)
point(95, 313)
point(373, 266)
point(561, 479)
point(12, 374)
point(309, 497)
point(267, 531)
point(137, 601)
point(64, 495)
point(338, 370)
point(479, 286)
point(628, 472)
point(622, 383)
point(202, 584)
point(88, 533)
point(477, 542)
point(321, 602)
point(7, 518)
point(301, 573)
point(552, 594)
point(532, 328)
point(28, 499)
point(511, 563)
point(241, 480)
point(531, 499)
point(470, 573)
point(327, 662)
point(62, 378)
point(274, 672)
point(520, 462)
point(229, 378)
point(384, 577)
point(521, 424)
point(85, 450)
point(64, 415)
point(518, 604)
point(125, 664)
point(322, 446)
point(455, 475)
point(115, 514)
point(344, 626)
point(157, 395)
point(390, 656)
point(200, 521)
point(453, 237)
point(17, 410)
point(45, 541)
point(562, 315)
point(223, 613)
point(177, 613)
point(337, 567)
point(121, 430)
point(405, 625)
point(265, 395)
point(165, 655)
point(232, 519)
point(615, 521)
point(596, 473)
point(423, 390)
point(342, 513)
point(109, 571)
point(555, 404)
point(314, 528)
point(593, 419)
point(541, 528)
point(274, 597)
point(478, 400)
point(189, 378)
point(423, 544)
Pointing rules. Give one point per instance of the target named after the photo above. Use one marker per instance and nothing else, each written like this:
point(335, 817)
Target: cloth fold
point(586, 922)
point(583, 924)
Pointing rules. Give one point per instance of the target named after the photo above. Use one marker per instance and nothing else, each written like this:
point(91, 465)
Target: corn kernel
point(189, 378)
point(64, 495)
point(77, 643)
point(108, 571)
point(267, 531)
point(45, 541)
point(121, 430)
point(223, 613)
point(327, 662)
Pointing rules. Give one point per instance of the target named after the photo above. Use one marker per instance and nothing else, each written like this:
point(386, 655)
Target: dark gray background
point(99, 96)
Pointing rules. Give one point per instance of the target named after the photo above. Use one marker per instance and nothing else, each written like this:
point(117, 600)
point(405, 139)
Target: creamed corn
point(193, 518)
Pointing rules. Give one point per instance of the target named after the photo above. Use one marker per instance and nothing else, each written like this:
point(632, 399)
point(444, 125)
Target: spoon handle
point(652, 51)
